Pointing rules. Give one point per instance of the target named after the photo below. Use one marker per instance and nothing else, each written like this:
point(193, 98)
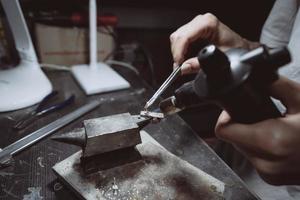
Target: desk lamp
point(25, 84)
point(97, 77)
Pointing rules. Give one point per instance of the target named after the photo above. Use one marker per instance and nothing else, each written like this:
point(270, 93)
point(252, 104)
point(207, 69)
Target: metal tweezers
point(164, 86)
point(43, 109)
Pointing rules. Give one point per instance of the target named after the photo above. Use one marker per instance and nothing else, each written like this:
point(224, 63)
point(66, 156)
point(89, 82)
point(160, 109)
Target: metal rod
point(39, 134)
point(163, 87)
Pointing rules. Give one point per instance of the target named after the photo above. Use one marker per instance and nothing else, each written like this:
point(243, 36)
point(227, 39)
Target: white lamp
point(97, 77)
point(25, 84)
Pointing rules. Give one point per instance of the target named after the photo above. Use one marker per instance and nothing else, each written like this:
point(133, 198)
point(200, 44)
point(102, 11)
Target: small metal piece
point(39, 134)
point(146, 113)
point(168, 106)
point(164, 86)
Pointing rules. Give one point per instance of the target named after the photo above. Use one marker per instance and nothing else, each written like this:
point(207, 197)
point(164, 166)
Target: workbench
point(31, 173)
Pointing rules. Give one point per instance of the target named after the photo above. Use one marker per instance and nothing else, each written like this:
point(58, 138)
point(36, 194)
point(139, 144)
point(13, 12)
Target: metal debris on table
point(158, 175)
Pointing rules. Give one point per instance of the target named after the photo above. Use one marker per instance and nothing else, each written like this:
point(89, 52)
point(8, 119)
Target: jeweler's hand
point(206, 28)
point(272, 146)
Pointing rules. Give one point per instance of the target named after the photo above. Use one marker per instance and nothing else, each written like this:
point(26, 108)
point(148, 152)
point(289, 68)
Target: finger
point(179, 47)
point(224, 119)
point(260, 138)
point(201, 27)
point(288, 92)
point(190, 66)
point(175, 65)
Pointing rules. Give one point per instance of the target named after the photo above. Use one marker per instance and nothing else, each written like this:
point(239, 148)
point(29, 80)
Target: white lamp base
point(22, 86)
point(98, 79)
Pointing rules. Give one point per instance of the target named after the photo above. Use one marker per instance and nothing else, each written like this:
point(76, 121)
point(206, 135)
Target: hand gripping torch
point(236, 80)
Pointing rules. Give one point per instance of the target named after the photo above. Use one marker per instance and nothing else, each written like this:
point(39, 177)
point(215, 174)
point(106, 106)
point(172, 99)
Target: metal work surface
point(31, 175)
point(157, 175)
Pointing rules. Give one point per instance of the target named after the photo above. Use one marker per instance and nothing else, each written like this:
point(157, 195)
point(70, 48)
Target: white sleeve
point(278, 27)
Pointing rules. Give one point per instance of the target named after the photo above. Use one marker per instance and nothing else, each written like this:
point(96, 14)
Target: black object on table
point(31, 173)
point(42, 109)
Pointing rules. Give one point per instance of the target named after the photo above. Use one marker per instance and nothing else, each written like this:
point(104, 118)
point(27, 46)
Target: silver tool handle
point(164, 86)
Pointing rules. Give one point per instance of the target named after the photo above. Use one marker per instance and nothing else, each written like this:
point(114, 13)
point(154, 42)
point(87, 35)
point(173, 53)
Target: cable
point(116, 52)
point(123, 64)
point(145, 52)
point(128, 66)
point(151, 65)
point(109, 31)
point(55, 67)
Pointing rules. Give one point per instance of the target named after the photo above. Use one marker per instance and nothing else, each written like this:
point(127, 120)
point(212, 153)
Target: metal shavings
point(57, 186)
point(40, 160)
point(115, 188)
point(113, 192)
point(10, 118)
point(34, 194)
point(22, 162)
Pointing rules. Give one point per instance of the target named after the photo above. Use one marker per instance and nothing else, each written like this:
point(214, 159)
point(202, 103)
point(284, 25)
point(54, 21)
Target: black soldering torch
point(236, 80)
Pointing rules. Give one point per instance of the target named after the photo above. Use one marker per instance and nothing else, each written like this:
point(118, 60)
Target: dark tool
point(42, 109)
point(7, 153)
point(237, 81)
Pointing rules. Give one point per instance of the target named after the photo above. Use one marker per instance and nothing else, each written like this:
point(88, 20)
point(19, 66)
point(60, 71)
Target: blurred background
point(132, 34)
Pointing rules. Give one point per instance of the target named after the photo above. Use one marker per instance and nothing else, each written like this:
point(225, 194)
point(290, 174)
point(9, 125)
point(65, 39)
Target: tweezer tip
point(146, 107)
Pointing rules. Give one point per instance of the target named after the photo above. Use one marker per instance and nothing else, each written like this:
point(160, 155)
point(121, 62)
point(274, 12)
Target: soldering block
point(110, 133)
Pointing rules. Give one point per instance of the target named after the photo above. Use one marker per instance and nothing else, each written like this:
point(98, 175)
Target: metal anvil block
point(106, 134)
point(110, 133)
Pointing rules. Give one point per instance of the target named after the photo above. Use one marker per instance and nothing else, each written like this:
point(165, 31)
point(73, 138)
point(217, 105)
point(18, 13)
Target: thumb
point(223, 121)
point(288, 92)
point(190, 66)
